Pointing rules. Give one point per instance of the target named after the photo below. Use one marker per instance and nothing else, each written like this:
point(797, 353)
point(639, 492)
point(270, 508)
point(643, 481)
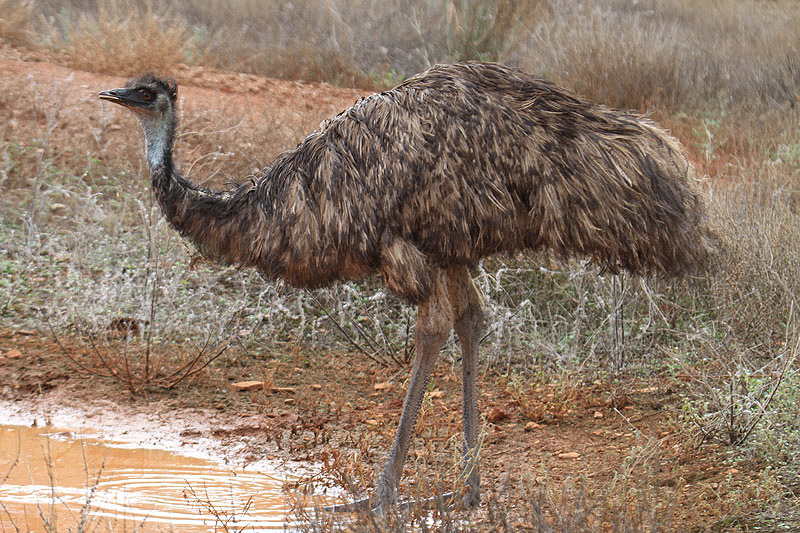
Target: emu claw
point(447, 500)
point(353, 507)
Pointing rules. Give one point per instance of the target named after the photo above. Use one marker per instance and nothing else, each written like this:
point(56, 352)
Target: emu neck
point(159, 150)
point(158, 137)
point(204, 216)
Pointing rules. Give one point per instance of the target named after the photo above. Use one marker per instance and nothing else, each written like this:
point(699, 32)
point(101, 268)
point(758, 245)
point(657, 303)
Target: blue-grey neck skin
point(158, 143)
point(159, 131)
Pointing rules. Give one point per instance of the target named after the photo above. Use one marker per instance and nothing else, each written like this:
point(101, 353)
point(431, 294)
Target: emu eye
point(145, 95)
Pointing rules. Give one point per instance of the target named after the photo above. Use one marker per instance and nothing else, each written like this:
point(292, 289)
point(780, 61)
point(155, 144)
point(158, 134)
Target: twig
point(345, 333)
point(190, 373)
point(763, 410)
point(87, 505)
point(69, 356)
point(188, 369)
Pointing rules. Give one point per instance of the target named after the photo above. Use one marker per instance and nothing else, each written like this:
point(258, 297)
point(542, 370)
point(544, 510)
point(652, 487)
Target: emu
point(420, 182)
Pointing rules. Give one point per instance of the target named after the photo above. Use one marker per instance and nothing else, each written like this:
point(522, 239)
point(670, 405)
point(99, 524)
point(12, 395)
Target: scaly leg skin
point(434, 322)
point(433, 327)
point(456, 301)
point(469, 322)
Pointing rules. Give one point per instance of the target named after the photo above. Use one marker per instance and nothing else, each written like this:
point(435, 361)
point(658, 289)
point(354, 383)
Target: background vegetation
point(723, 75)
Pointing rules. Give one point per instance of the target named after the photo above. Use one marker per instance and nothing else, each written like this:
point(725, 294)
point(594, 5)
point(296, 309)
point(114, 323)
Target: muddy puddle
point(57, 480)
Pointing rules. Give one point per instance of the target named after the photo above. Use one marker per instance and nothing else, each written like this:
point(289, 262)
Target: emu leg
point(468, 324)
point(434, 321)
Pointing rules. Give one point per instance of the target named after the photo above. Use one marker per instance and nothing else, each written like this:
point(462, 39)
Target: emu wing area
point(468, 160)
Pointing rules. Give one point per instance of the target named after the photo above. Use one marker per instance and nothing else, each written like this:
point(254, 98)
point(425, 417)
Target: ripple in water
point(52, 475)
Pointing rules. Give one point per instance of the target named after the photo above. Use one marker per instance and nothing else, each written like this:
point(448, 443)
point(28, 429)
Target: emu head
point(152, 100)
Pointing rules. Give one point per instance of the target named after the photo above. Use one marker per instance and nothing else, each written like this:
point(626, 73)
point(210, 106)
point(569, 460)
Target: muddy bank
point(198, 433)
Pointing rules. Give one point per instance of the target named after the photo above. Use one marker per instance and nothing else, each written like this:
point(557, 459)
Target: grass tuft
point(121, 38)
point(15, 21)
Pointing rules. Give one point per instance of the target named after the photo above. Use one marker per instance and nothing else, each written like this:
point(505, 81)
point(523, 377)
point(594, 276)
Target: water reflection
point(55, 480)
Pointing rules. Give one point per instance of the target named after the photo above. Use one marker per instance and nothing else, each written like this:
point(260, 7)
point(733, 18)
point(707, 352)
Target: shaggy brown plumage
point(454, 164)
point(422, 181)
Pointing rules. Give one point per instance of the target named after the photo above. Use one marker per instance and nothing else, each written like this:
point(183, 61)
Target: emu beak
point(118, 96)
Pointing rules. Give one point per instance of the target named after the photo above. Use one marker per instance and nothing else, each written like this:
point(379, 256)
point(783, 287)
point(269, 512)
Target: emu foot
point(353, 507)
point(471, 498)
point(384, 498)
point(444, 501)
point(471, 489)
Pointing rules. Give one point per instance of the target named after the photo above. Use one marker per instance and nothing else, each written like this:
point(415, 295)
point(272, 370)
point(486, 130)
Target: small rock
point(569, 455)
point(242, 386)
point(13, 353)
point(530, 426)
point(496, 415)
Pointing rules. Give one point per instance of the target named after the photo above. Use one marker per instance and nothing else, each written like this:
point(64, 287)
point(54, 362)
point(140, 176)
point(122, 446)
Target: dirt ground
point(340, 409)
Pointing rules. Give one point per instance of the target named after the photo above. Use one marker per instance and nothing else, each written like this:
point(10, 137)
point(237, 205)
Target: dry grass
point(631, 502)
point(120, 38)
point(367, 43)
point(15, 21)
point(670, 54)
point(757, 212)
point(728, 68)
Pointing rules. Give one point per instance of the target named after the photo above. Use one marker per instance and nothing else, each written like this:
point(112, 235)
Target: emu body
point(420, 182)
